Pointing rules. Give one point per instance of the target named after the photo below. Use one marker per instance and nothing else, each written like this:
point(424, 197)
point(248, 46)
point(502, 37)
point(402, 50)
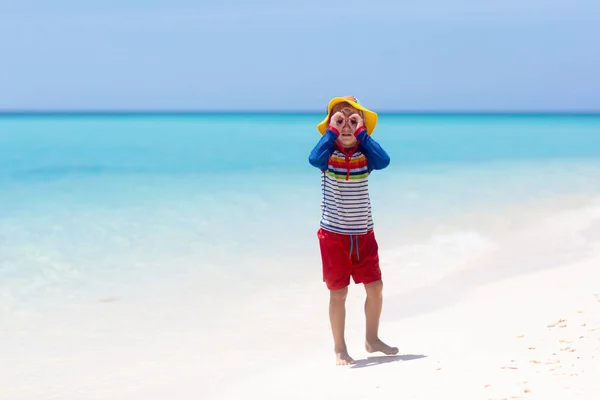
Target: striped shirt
point(345, 205)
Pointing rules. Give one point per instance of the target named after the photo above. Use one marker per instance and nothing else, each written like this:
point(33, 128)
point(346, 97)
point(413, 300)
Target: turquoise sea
point(183, 219)
point(127, 197)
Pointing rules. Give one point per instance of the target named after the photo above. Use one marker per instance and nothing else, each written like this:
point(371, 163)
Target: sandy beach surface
point(528, 334)
point(529, 337)
point(519, 321)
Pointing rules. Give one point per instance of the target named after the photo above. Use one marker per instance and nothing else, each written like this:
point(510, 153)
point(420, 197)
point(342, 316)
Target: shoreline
point(458, 329)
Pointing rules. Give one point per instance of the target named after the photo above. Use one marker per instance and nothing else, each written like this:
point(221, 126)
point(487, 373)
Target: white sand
point(521, 320)
point(533, 336)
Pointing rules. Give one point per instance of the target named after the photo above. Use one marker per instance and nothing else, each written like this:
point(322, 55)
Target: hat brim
point(370, 121)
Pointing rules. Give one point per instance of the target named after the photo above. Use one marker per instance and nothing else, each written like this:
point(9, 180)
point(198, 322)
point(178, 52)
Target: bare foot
point(378, 345)
point(343, 358)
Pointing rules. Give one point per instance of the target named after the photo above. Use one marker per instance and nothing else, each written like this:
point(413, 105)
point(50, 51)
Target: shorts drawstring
point(357, 255)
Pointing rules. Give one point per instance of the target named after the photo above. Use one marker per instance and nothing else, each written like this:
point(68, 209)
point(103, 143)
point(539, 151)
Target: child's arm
point(377, 158)
point(319, 156)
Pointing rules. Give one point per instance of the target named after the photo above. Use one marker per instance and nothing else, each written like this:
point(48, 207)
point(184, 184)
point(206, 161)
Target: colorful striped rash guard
point(345, 205)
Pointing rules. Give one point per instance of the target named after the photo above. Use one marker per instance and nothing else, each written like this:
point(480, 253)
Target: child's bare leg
point(337, 317)
point(373, 306)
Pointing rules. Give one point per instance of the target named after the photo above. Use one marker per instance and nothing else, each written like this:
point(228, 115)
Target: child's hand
point(356, 123)
point(338, 120)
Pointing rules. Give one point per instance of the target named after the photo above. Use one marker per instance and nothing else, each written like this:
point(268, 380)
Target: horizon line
point(50, 112)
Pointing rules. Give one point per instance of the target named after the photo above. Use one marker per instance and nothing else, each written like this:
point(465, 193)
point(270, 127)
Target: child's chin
point(348, 142)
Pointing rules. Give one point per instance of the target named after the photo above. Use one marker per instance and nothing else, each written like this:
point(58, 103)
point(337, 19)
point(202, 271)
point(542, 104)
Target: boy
point(346, 155)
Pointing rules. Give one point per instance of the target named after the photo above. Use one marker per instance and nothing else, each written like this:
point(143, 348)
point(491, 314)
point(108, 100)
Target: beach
point(531, 334)
point(497, 329)
point(150, 277)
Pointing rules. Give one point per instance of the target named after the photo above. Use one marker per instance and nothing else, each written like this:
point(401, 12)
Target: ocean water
point(170, 219)
point(118, 198)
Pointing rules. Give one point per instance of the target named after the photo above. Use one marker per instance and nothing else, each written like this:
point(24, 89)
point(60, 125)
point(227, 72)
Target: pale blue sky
point(267, 54)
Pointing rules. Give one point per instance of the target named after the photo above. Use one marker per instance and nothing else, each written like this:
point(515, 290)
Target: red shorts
point(346, 256)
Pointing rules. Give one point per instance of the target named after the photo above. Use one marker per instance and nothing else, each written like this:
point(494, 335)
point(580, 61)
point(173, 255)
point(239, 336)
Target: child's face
point(347, 138)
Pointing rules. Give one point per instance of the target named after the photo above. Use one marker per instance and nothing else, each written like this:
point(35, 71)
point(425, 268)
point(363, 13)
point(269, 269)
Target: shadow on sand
point(376, 360)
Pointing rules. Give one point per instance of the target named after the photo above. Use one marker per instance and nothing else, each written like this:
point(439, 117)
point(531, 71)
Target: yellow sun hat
point(370, 117)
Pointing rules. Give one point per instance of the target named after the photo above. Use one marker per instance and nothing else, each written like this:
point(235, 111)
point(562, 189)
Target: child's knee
point(374, 288)
point(339, 294)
